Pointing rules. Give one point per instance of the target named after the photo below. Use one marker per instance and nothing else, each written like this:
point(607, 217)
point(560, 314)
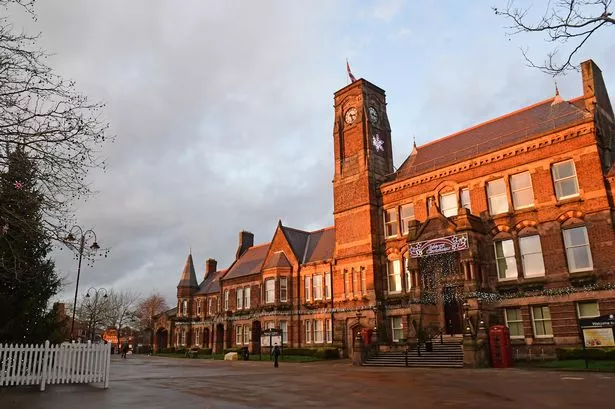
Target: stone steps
point(447, 355)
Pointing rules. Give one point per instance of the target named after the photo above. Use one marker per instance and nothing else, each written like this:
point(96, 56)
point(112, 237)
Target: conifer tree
point(28, 275)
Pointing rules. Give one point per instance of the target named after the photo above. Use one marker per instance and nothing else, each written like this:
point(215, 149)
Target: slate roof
point(320, 246)
point(249, 263)
point(278, 260)
point(211, 283)
point(188, 277)
point(528, 122)
point(297, 239)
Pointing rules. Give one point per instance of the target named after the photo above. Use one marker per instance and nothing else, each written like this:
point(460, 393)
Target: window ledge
point(544, 340)
point(562, 202)
point(527, 209)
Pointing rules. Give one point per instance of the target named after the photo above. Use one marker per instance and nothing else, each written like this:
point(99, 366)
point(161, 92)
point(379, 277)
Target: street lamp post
point(96, 293)
point(83, 235)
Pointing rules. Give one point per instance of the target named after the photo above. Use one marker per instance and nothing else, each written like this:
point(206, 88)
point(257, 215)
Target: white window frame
point(226, 300)
point(284, 329)
point(247, 334)
point(520, 321)
point(571, 262)
point(394, 275)
point(513, 257)
point(327, 285)
point(247, 293)
point(184, 336)
point(319, 331)
point(283, 289)
point(390, 217)
point(239, 298)
point(196, 337)
point(210, 306)
point(491, 196)
point(328, 331)
point(308, 288)
point(307, 324)
point(198, 307)
point(397, 332)
point(407, 275)
point(588, 302)
point(534, 320)
point(464, 198)
point(448, 211)
point(185, 307)
point(515, 192)
point(557, 182)
point(317, 292)
point(238, 334)
point(269, 292)
point(405, 218)
point(524, 239)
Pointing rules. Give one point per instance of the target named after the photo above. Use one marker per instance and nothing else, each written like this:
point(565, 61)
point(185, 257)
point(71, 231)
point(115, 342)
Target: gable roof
point(249, 263)
point(320, 245)
point(297, 240)
point(188, 277)
point(211, 283)
point(523, 124)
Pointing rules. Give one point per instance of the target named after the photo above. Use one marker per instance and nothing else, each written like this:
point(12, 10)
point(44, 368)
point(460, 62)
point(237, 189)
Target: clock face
point(351, 115)
point(373, 115)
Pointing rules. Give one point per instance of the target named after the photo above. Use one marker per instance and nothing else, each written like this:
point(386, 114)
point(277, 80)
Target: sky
point(222, 111)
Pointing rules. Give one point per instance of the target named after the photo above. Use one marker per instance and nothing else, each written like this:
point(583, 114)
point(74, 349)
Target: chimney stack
point(246, 240)
point(210, 266)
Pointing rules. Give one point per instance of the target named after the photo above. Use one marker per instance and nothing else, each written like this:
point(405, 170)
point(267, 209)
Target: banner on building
point(440, 245)
point(598, 331)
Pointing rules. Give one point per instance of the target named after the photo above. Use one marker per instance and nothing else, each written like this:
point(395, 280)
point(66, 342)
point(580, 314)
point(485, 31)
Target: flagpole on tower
point(350, 76)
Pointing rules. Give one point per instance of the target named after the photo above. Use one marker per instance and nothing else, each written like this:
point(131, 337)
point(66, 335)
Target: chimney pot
point(210, 266)
point(246, 240)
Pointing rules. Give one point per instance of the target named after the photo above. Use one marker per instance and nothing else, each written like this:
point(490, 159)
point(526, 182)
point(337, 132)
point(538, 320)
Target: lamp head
point(95, 246)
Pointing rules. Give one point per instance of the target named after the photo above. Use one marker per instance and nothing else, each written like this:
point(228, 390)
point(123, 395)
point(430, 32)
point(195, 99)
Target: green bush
point(205, 351)
point(168, 350)
point(595, 354)
point(180, 350)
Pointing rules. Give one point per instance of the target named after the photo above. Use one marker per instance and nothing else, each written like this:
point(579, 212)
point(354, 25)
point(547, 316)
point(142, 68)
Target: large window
point(396, 329)
point(284, 329)
point(578, 252)
point(496, 193)
point(239, 292)
point(407, 214)
point(531, 256)
point(319, 331)
point(390, 222)
point(588, 309)
point(448, 204)
point(514, 322)
point(328, 331)
point(327, 285)
point(238, 334)
point(210, 306)
point(283, 289)
point(522, 192)
point(308, 331)
point(465, 199)
point(541, 319)
point(308, 288)
point(270, 291)
point(247, 334)
point(185, 305)
point(198, 308)
point(565, 179)
point(318, 287)
point(246, 297)
point(184, 337)
point(394, 273)
point(363, 281)
point(197, 337)
point(407, 273)
point(225, 300)
point(346, 283)
point(505, 259)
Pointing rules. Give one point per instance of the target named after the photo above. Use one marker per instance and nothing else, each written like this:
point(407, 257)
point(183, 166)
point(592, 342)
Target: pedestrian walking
point(125, 349)
point(276, 354)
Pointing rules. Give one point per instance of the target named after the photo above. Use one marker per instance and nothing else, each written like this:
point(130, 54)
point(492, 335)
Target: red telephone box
point(499, 344)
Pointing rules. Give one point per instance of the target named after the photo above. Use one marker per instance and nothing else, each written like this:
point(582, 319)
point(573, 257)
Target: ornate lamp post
point(82, 237)
point(96, 292)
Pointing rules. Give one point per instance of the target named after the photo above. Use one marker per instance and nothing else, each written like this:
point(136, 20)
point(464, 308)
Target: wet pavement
point(153, 383)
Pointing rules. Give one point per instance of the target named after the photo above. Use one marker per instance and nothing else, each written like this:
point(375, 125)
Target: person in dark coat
point(125, 349)
point(276, 354)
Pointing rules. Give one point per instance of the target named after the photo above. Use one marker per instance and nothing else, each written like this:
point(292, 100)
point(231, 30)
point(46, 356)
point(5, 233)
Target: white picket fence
point(54, 364)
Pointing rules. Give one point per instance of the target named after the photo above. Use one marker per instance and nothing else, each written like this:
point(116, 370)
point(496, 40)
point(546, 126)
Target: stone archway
point(162, 339)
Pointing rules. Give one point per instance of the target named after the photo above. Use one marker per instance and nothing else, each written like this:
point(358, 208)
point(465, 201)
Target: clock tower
point(363, 160)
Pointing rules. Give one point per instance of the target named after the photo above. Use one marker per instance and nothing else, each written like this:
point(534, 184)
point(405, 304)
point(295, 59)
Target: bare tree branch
point(566, 22)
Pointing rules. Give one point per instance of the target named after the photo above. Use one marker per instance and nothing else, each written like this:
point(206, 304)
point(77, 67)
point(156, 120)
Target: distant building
point(509, 221)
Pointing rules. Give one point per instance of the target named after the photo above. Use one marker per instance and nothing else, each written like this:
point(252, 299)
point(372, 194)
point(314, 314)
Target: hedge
point(322, 353)
point(578, 353)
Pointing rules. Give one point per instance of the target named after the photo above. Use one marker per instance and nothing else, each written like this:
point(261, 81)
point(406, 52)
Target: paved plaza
point(153, 383)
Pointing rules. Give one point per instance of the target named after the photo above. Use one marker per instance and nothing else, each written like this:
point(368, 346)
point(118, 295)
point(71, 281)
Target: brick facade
point(532, 191)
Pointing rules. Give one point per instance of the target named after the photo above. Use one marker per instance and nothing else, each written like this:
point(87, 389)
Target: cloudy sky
point(223, 117)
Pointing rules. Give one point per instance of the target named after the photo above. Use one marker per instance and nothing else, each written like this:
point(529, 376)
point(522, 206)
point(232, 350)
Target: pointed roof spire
point(188, 277)
point(557, 98)
point(413, 146)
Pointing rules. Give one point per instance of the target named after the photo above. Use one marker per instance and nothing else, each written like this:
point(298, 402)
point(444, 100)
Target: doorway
point(452, 311)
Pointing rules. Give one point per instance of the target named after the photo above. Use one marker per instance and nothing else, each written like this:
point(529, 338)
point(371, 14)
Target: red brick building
point(510, 221)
